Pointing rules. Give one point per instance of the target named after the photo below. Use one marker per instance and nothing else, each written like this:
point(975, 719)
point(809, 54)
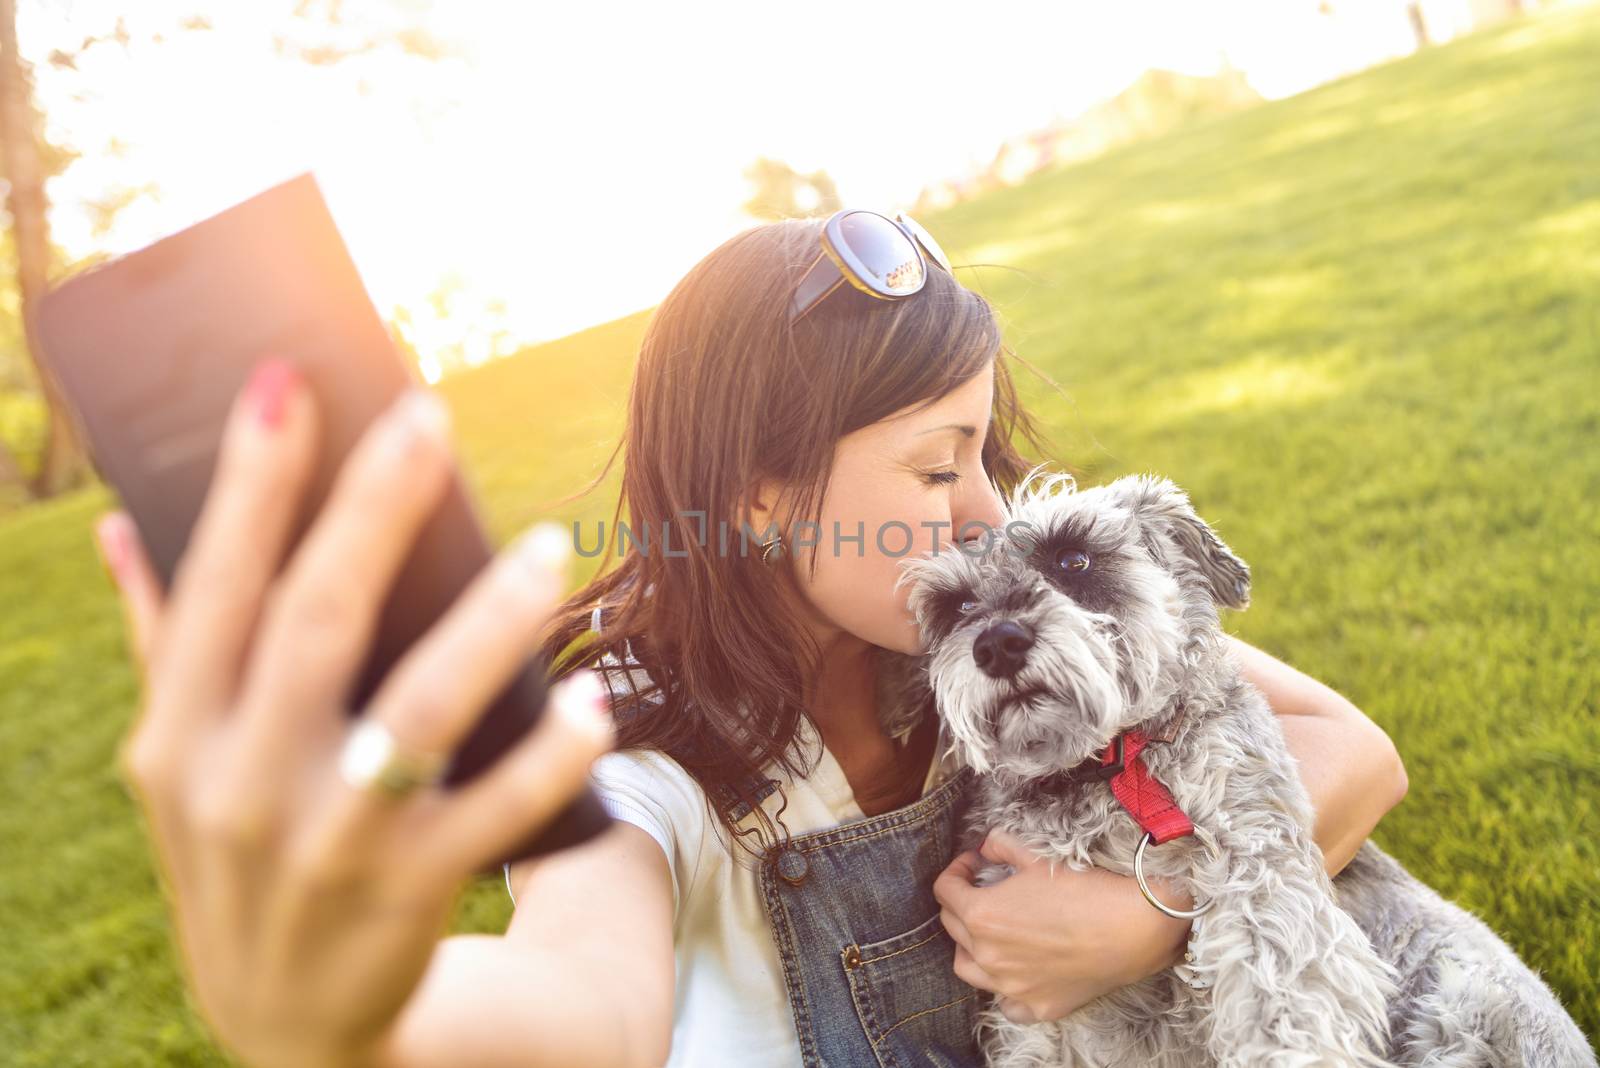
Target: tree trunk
point(10, 470)
point(62, 464)
point(1419, 24)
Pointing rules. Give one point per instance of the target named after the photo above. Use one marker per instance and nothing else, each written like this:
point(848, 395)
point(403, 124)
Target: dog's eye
point(1073, 561)
point(950, 607)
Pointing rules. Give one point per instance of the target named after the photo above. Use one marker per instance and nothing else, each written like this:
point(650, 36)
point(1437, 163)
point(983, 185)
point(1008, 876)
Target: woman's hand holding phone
point(307, 910)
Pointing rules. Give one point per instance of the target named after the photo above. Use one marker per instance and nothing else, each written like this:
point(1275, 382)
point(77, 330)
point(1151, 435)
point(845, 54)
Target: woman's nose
point(979, 515)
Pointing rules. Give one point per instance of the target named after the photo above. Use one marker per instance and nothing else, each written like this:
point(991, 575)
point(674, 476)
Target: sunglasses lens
point(883, 254)
point(929, 245)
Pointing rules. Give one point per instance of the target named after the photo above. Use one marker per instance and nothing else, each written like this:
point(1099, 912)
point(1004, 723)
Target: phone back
point(150, 349)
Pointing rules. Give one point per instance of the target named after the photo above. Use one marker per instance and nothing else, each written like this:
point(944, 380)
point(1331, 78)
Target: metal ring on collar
point(1144, 887)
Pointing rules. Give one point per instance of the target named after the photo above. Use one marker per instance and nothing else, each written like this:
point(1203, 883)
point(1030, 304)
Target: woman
point(777, 888)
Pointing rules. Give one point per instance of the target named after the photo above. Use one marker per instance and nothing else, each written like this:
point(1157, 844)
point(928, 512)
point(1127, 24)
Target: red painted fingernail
point(268, 390)
point(581, 698)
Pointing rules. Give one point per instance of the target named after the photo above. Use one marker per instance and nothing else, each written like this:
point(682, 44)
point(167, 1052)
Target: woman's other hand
point(306, 910)
point(1049, 939)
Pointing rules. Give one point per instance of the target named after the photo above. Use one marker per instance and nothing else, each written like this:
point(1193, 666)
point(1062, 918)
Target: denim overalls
point(867, 963)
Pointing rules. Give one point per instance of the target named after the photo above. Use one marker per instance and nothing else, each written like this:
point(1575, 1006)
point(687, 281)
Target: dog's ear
point(1167, 522)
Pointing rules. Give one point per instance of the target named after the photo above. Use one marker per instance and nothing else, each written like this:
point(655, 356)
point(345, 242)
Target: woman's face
point(903, 487)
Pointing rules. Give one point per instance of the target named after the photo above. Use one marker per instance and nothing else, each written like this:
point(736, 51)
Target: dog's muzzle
point(1001, 649)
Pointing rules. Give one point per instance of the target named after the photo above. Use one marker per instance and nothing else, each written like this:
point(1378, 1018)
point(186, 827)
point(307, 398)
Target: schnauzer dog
point(1082, 674)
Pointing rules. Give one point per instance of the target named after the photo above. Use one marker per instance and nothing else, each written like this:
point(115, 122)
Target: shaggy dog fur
point(1106, 602)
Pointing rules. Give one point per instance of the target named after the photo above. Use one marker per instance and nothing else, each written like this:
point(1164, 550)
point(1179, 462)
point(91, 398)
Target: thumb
point(1007, 848)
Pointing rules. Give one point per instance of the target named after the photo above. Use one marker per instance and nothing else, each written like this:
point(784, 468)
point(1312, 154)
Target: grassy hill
point(1361, 326)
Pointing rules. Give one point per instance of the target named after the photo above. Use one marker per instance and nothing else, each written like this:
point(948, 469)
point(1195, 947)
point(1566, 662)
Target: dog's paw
point(990, 874)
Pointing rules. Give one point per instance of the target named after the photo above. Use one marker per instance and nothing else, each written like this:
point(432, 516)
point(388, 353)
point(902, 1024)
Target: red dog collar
point(1150, 803)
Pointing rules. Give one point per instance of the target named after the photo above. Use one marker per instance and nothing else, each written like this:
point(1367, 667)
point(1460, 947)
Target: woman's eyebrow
point(965, 428)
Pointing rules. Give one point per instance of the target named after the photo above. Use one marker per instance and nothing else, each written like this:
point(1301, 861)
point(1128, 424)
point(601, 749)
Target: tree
point(62, 461)
point(1419, 24)
point(324, 35)
point(783, 193)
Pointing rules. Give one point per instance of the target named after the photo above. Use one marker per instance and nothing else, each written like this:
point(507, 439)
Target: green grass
point(1360, 326)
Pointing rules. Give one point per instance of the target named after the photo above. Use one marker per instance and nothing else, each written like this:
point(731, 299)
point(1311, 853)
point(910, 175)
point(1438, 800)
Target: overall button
point(793, 867)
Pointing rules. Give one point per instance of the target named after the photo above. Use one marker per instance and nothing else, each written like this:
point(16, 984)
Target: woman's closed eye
point(941, 478)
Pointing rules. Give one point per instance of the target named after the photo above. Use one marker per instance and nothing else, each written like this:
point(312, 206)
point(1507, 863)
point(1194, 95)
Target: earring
point(767, 547)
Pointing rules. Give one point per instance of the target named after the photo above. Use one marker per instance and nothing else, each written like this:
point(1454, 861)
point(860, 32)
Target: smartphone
point(149, 350)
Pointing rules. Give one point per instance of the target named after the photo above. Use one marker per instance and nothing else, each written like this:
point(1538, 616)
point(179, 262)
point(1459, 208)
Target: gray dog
point(1082, 674)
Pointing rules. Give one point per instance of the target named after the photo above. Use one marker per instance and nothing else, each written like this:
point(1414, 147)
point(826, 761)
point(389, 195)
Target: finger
point(967, 864)
point(971, 973)
point(436, 693)
point(953, 887)
point(1001, 845)
point(527, 789)
point(439, 837)
point(957, 929)
point(1015, 1011)
point(318, 621)
point(138, 589)
point(262, 463)
point(140, 765)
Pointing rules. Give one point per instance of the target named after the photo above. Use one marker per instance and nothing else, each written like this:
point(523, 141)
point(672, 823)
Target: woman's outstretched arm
point(1049, 939)
point(1348, 764)
point(583, 975)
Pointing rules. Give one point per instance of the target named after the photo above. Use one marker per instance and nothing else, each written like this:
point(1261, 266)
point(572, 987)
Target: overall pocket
point(914, 1008)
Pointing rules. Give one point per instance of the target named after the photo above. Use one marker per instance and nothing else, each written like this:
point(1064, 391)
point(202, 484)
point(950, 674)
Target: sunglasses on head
point(882, 257)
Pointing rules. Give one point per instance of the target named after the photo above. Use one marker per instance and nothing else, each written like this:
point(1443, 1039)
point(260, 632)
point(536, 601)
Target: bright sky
point(576, 160)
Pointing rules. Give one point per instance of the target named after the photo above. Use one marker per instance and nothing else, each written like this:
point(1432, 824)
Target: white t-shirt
point(731, 1006)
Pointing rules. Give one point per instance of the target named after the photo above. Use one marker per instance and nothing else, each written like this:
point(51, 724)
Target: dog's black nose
point(1001, 650)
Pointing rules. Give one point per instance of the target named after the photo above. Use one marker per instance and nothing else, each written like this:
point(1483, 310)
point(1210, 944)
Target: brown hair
point(727, 391)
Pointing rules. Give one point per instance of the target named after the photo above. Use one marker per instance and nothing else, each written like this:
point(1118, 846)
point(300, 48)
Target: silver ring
point(1144, 887)
point(371, 759)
